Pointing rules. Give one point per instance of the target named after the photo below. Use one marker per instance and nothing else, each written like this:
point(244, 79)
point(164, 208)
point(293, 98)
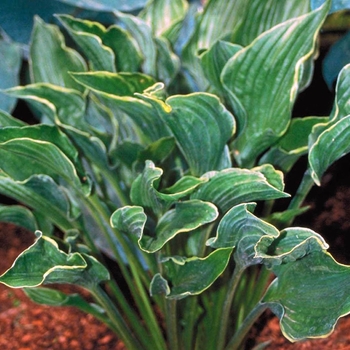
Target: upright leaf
point(89, 36)
point(10, 64)
point(50, 59)
point(262, 81)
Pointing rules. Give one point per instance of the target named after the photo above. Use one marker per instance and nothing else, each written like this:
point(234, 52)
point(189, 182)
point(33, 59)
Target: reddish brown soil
point(28, 326)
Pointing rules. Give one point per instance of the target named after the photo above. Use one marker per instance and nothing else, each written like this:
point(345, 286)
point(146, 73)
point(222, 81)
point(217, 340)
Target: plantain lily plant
point(161, 143)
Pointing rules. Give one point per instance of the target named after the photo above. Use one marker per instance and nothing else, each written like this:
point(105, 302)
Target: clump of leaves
point(156, 138)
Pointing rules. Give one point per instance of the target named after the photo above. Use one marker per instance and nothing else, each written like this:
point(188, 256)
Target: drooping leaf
point(53, 297)
point(35, 138)
point(262, 81)
point(292, 244)
point(59, 104)
point(190, 276)
point(117, 90)
point(10, 64)
point(331, 145)
point(240, 229)
point(23, 157)
point(43, 263)
point(50, 59)
point(309, 296)
point(233, 186)
point(18, 215)
point(42, 194)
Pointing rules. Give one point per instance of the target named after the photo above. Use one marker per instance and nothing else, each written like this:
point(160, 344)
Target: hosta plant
point(159, 147)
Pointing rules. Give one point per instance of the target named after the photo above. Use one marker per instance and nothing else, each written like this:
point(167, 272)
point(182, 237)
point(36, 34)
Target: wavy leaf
point(89, 36)
point(59, 104)
point(309, 296)
point(42, 194)
point(50, 59)
point(190, 276)
point(240, 229)
point(262, 81)
point(332, 144)
point(43, 263)
point(198, 119)
point(233, 186)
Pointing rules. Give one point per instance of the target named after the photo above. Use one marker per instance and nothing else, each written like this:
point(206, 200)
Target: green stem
point(238, 338)
point(138, 278)
point(302, 191)
point(226, 307)
point(171, 323)
point(119, 325)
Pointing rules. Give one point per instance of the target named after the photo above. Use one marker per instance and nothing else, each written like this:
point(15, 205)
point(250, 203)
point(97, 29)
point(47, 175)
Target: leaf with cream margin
point(190, 276)
point(309, 295)
point(59, 104)
point(262, 81)
point(185, 217)
point(229, 187)
point(44, 196)
point(240, 229)
point(50, 59)
point(164, 17)
point(198, 119)
point(44, 263)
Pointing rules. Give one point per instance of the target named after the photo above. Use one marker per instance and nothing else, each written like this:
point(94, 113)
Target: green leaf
point(7, 120)
point(44, 195)
point(260, 16)
point(50, 59)
point(240, 229)
point(293, 144)
point(332, 144)
point(107, 5)
point(162, 16)
point(337, 5)
point(190, 276)
point(130, 220)
point(292, 244)
point(185, 217)
point(262, 81)
point(19, 216)
point(142, 33)
point(341, 106)
point(88, 35)
point(117, 91)
point(214, 60)
point(233, 186)
point(10, 64)
point(43, 263)
point(23, 156)
point(59, 104)
point(309, 296)
point(198, 119)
